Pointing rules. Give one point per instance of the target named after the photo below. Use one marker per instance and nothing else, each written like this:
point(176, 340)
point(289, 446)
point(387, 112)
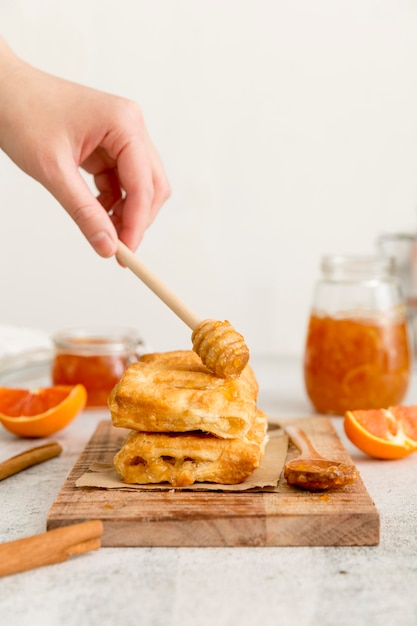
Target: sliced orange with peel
point(40, 412)
point(383, 433)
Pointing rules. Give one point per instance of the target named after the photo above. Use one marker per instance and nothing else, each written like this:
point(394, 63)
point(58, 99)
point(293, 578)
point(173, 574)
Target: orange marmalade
point(96, 359)
point(354, 363)
point(98, 374)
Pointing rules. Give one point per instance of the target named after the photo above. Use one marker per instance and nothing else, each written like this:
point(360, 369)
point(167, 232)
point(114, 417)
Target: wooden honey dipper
point(221, 349)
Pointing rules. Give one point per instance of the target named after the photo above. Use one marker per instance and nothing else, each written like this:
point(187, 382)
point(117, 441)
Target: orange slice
point(383, 433)
point(40, 412)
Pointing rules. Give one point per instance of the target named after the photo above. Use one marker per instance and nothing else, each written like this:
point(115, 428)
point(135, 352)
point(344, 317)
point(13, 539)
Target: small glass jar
point(96, 358)
point(357, 353)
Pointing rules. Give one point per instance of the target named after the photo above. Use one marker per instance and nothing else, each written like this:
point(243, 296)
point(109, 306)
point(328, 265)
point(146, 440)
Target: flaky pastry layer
point(182, 459)
point(174, 392)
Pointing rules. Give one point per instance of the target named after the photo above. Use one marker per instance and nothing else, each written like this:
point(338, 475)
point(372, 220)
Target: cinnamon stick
point(26, 459)
point(53, 546)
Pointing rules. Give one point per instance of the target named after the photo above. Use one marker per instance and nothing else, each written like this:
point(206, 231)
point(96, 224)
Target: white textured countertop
point(199, 586)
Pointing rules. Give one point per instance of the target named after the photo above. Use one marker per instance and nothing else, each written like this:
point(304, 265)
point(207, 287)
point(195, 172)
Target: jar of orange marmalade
point(95, 358)
point(357, 349)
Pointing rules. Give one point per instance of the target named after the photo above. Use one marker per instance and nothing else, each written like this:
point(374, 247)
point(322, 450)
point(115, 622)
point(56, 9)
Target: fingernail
point(103, 244)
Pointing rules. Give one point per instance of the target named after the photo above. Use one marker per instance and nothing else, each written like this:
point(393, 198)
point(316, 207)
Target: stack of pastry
point(187, 425)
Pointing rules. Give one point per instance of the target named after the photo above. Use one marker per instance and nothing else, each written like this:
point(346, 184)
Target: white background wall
point(288, 130)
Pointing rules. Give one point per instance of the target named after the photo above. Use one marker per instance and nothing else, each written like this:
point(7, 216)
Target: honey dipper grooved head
point(222, 350)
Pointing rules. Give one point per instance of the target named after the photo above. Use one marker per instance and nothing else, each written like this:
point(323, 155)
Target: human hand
point(51, 127)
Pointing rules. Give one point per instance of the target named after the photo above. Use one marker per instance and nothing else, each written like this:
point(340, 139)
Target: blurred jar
point(357, 352)
point(402, 247)
point(96, 358)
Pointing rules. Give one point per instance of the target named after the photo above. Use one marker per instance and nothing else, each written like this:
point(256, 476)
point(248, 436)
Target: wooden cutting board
point(286, 516)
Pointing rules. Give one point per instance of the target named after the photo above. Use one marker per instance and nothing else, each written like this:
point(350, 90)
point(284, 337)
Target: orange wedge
point(383, 433)
point(40, 412)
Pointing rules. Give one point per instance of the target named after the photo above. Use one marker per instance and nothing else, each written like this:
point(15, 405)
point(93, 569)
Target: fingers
point(135, 176)
point(108, 185)
point(74, 126)
point(136, 173)
point(88, 214)
point(139, 173)
point(162, 189)
point(143, 178)
point(128, 174)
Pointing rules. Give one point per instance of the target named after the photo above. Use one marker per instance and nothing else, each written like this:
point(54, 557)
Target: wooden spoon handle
point(50, 547)
point(28, 458)
point(130, 260)
point(303, 443)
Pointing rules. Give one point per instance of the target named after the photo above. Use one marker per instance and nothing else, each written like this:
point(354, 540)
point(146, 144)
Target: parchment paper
point(102, 475)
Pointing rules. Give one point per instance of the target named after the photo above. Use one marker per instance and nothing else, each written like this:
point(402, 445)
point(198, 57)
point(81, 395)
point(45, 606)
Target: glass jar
point(96, 358)
point(402, 247)
point(357, 352)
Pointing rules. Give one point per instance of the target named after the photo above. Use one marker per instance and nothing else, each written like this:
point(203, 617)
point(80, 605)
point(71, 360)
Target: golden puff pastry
point(189, 360)
point(182, 459)
point(174, 392)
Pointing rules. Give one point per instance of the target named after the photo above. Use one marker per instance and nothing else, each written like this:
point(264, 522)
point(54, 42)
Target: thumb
point(89, 215)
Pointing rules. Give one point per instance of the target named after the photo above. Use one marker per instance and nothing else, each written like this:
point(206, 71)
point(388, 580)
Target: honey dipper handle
point(155, 284)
